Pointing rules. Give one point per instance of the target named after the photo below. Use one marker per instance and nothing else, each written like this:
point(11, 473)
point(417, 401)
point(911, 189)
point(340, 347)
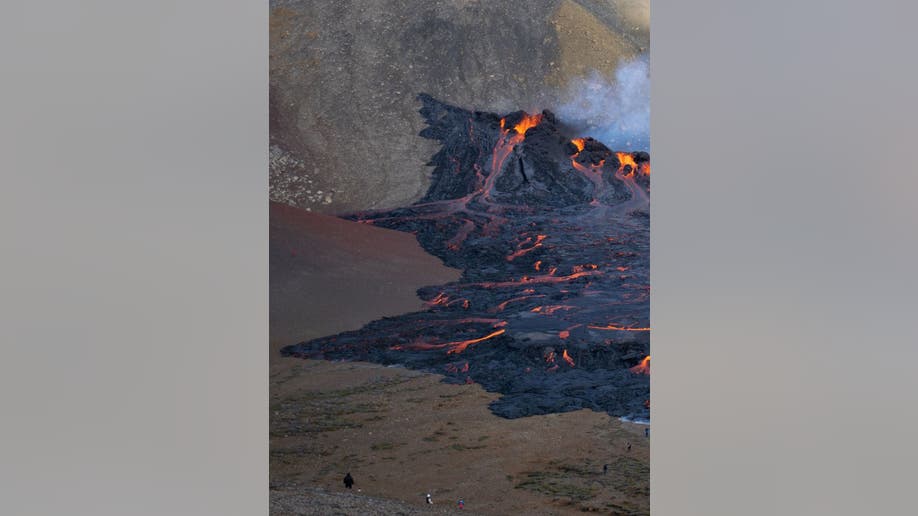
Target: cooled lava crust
point(552, 236)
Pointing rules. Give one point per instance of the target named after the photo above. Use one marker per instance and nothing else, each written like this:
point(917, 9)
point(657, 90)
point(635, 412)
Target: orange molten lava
point(528, 280)
point(454, 347)
point(549, 310)
point(579, 143)
point(586, 266)
point(567, 358)
point(580, 167)
point(528, 122)
point(503, 305)
point(460, 346)
point(626, 159)
point(537, 265)
point(617, 328)
point(523, 250)
point(643, 367)
point(441, 299)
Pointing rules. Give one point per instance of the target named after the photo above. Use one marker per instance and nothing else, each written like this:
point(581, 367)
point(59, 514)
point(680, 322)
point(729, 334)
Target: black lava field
point(552, 236)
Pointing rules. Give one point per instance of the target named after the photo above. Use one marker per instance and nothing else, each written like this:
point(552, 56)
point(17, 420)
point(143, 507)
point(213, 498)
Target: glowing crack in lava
point(552, 236)
point(567, 358)
point(643, 367)
point(613, 327)
point(452, 347)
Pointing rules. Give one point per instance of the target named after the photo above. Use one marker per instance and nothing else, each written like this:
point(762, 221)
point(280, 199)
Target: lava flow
point(643, 367)
point(567, 358)
point(451, 347)
point(552, 236)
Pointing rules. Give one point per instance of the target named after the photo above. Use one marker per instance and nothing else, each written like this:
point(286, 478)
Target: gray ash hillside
point(552, 235)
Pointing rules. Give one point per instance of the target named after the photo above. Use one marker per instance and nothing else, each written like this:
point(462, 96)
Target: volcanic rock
point(558, 259)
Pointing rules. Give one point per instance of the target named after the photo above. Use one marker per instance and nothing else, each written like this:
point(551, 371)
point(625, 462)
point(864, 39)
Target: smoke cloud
point(617, 113)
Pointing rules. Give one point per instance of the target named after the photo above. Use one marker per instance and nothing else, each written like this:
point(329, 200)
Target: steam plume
point(617, 112)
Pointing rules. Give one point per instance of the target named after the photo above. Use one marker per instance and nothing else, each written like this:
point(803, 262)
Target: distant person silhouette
point(605, 469)
point(461, 504)
point(348, 480)
point(428, 499)
point(628, 446)
point(647, 432)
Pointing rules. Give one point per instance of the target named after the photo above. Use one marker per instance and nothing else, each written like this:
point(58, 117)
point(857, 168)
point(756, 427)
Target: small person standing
point(461, 504)
point(348, 480)
point(628, 446)
point(647, 432)
point(429, 501)
point(605, 469)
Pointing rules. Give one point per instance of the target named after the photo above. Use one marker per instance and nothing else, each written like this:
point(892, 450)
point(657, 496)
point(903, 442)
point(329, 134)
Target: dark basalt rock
point(552, 308)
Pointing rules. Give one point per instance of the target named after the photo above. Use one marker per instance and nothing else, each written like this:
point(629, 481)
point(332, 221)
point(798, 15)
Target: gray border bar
point(133, 377)
point(134, 278)
point(783, 252)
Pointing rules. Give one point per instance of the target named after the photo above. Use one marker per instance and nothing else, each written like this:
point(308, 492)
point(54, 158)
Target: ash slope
point(552, 235)
point(344, 71)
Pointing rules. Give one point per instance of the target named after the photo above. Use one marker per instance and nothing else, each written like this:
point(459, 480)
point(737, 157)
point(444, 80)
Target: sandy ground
point(403, 433)
point(330, 275)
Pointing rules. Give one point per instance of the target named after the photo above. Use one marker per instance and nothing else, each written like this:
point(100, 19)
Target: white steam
point(617, 113)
